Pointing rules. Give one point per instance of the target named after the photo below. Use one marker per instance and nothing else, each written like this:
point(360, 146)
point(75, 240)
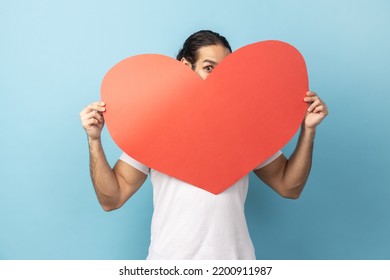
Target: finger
point(319, 109)
point(310, 99)
point(93, 115)
point(90, 122)
point(99, 117)
point(97, 107)
point(311, 93)
point(310, 96)
point(97, 103)
point(313, 105)
point(322, 109)
point(87, 110)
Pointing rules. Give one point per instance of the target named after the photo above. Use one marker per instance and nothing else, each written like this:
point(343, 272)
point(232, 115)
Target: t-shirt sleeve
point(269, 160)
point(134, 163)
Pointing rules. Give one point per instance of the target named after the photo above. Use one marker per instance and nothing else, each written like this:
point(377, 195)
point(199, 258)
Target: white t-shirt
point(191, 223)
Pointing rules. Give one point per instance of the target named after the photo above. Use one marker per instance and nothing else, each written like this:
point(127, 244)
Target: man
point(189, 222)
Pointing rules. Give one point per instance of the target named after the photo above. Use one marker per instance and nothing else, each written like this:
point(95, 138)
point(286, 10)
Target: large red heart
point(208, 133)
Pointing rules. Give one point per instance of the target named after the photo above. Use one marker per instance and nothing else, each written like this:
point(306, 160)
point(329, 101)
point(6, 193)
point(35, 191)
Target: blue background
point(53, 56)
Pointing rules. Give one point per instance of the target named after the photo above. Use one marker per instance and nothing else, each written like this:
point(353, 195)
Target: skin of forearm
point(103, 178)
point(299, 164)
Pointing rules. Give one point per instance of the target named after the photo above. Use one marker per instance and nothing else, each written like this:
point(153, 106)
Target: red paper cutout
point(208, 133)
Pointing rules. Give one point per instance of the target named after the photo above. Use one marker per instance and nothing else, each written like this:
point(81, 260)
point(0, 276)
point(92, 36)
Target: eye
point(208, 68)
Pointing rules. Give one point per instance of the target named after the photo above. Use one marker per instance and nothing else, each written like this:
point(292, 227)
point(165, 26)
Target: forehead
point(215, 53)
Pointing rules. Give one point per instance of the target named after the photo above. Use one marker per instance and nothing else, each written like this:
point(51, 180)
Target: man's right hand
point(92, 119)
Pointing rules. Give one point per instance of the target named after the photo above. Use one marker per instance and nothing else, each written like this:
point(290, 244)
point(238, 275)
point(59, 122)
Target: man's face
point(208, 59)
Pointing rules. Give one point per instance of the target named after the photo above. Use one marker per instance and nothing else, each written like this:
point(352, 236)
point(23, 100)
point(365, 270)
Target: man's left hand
point(316, 111)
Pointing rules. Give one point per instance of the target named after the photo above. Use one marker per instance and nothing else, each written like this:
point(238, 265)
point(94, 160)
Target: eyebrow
point(210, 61)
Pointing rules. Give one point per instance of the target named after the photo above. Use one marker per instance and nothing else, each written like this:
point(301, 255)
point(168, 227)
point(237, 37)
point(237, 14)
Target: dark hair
point(200, 39)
